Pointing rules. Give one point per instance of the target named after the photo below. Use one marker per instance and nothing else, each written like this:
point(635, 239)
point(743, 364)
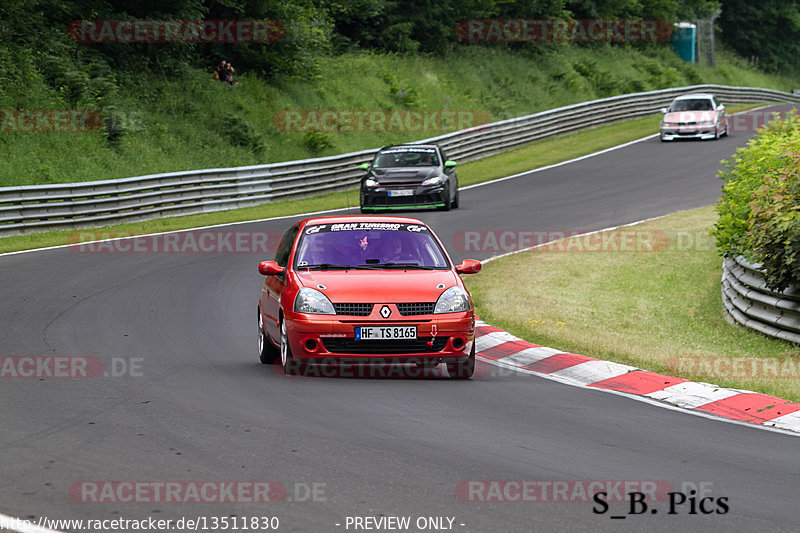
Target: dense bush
point(316, 141)
point(240, 132)
point(759, 213)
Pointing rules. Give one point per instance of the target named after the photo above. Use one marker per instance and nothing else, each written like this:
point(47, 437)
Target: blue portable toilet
point(683, 39)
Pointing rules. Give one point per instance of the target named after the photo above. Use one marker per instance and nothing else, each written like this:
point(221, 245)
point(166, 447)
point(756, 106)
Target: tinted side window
point(285, 246)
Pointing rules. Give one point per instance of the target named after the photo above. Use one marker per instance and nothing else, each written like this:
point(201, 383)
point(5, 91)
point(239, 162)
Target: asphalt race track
point(194, 404)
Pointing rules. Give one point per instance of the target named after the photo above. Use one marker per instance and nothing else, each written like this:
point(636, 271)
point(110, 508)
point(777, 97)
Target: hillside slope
point(186, 120)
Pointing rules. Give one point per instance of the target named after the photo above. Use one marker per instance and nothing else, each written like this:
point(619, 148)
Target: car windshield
point(700, 104)
point(369, 245)
point(407, 157)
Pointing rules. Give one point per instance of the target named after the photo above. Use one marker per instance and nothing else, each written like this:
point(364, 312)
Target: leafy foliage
point(768, 29)
point(648, 9)
point(316, 141)
point(241, 132)
point(759, 213)
point(775, 223)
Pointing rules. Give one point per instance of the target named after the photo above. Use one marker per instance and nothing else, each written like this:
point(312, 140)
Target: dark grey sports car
point(409, 176)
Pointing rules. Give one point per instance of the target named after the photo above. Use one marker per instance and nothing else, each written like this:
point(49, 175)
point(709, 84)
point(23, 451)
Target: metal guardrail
point(749, 302)
point(95, 203)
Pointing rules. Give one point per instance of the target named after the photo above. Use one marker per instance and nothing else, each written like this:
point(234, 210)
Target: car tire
point(267, 353)
point(463, 369)
point(290, 366)
point(456, 200)
point(716, 134)
point(447, 203)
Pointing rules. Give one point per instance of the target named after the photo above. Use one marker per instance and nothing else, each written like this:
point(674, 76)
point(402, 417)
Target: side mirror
point(469, 266)
point(450, 164)
point(721, 107)
point(364, 166)
point(663, 110)
point(269, 268)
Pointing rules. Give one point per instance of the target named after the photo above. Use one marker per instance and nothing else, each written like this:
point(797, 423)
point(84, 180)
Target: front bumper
point(669, 133)
point(386, 198)
point(323, 339)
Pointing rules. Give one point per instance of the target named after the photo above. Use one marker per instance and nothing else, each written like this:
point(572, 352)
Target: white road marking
point(493, 339)
point(593, 371)
point(530, 355)
point(691, 395)
point(790, 422)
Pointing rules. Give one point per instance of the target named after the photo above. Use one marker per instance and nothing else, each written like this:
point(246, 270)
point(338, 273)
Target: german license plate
point(369, 333)
point(402, 192)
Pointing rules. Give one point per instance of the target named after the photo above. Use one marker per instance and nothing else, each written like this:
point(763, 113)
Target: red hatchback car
point(365, 290)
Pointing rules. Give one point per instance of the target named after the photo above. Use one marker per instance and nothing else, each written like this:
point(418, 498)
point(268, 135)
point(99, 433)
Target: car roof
point(695, 96)
point(344, 219)
point(395, 146)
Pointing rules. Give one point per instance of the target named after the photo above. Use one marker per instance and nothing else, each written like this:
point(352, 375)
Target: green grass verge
point(655, 306)
point(535, 155)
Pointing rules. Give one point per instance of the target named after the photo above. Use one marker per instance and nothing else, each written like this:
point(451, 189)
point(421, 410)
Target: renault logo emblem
point(385, 311)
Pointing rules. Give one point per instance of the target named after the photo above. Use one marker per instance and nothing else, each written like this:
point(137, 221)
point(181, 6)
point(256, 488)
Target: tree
point(768, 29)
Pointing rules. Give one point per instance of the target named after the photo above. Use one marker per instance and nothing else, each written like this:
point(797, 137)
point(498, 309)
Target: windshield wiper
point(327, 266)
point(331, 266)
point(414, 266)
point(373, 266)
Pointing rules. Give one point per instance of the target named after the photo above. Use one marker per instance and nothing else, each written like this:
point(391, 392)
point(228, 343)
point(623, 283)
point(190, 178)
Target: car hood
point(691, 116)
point(404, 175)
point(380, 286)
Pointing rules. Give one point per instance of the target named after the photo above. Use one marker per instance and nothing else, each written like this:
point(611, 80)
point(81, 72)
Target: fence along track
point(749, 302)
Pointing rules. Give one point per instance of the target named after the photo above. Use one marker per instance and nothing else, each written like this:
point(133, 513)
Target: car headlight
point(312, 301)
point(370, 182)
point(436, 180)
point(453, 300)
point(707, 123)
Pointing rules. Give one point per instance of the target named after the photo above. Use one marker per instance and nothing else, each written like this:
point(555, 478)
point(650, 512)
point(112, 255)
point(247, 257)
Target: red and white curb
point(506, 350)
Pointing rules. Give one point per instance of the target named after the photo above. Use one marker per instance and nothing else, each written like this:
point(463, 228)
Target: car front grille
point(350, 309)
point(378, 200)
point(424, 308)
point(385, 347)
point(405, 309)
